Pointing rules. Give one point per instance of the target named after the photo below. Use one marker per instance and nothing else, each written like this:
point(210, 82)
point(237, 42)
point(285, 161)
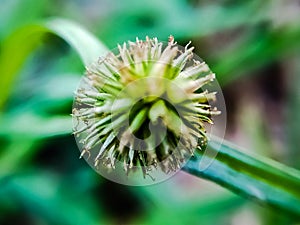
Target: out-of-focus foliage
point(253, 46)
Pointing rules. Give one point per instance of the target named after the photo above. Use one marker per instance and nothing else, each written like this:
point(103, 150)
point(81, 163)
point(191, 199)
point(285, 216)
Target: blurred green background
point(254, 48)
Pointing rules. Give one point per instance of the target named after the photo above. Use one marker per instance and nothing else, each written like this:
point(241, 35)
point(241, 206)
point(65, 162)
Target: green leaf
point(23, 41)
point(14, 52)
point(18, 150)
point(13, 15)
point(46, 198)
point(86, 44)
point(260, 179)
point(25, 133)
point(256, 50)
point(177, 17)
point(205, 211)
point(32, 125)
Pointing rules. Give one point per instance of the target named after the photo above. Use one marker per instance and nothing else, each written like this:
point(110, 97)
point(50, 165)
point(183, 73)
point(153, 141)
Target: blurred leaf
point(17, 47)
point(260, 179)
point(202, 212)
point(86, 44)
point(255, 51)
point(161, 18)
point(44, 198)
point(184, 200)
point(27, 125)
point(23, 41)
point(45, 101)
point(36, 120)
point(24, 133)
point(33, 125)
point(19, 149)
point(13, 13)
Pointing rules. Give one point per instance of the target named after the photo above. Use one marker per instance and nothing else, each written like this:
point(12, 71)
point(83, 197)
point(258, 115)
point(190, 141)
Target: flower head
point(144, 106)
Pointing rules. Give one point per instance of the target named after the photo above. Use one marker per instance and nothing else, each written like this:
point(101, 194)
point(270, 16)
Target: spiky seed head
point(144, 106)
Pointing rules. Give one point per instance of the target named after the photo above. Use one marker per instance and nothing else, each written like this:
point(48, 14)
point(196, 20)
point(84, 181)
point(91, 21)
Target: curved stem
point(260, 179)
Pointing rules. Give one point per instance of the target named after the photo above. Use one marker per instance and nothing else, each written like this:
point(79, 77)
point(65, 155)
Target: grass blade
point(260, 48)
point(23, 41)
point(88, 47)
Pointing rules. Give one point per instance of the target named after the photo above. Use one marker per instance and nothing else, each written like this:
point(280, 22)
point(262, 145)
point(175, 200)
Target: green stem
point(255, 177)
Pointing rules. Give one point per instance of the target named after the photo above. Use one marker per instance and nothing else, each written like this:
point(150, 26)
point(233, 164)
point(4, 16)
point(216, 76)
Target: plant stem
point(257, 178)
